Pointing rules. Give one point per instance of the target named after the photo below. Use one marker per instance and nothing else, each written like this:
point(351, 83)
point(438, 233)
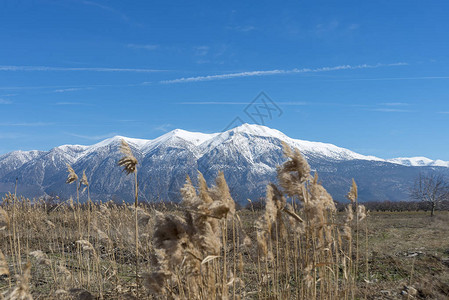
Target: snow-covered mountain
point(247, 154)
point(419, 161)
point(16, 159)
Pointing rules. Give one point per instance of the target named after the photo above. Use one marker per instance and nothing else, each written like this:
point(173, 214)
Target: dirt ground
point(408, 254)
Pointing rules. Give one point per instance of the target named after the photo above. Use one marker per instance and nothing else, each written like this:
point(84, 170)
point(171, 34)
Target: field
point(406, 249)
point(297, 246)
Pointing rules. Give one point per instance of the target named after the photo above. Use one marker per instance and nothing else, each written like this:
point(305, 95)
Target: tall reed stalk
point(129, 164)
point(298, 247)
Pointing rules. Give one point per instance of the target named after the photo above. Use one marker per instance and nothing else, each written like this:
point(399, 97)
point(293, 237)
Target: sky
point(370, 76)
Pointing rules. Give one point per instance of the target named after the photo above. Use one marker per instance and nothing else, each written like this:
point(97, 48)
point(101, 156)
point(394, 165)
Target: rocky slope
point(247, 154)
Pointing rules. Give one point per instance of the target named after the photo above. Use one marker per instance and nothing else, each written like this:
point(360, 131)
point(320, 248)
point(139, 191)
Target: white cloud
point(390, 110)
point(326, 27)
point(394, 104)
point(145, 47)
point(201, 50)
point(9, 135)
point(107, 8)
point(4, 101)
point(72, 103)
point(70, 90)
point(353, 26)
point(237, 103)
point(47, 68)
point(164, 127)
point(395, 78)
point(245, 28)
point(93, 137)
point(27, 124)
point(275, 72)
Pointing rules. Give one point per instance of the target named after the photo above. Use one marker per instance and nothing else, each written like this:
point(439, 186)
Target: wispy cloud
point(71, 90)
point(443, 112)
point(164, 127)
point(353, 26)
point(394, 104)
point(26, 124)
point(391, 110)
point(73, 103)
point(106, 8)
point(201, 50)
point(145, 47)
point(293, 103)
point(11, 136)
point(394, 78)
point(93, 137)
point(275, 72)
point(95, 69)
point(245, 28)
point(215, 54)
point(237, 103)
point(126, 121)
point(326, 27)
point(61, 88)
point(212, 103)
point(4, 101)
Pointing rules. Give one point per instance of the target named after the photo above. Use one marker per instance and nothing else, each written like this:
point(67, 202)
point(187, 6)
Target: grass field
point(407, 252)
point(203, 248)
point(408, 249)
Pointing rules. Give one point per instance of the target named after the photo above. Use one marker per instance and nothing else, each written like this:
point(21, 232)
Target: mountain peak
point(260, 130)
point(419, 161)
point(248, 154)
point(195, 138)
point(117, 139)
point(204, 142)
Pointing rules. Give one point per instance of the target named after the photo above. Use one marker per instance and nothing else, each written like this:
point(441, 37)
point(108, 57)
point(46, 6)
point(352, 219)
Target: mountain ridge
point(248, 154)
point(253, 129)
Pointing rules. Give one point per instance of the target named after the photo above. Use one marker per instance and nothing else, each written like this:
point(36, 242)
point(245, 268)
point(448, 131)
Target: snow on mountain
point(205, 142)
point(19, 157)
point(419, 161)
point(136, 143)
point(69, 152)
point(307, 148)
point(248, 155)
point(16, 159)
point(195, 138)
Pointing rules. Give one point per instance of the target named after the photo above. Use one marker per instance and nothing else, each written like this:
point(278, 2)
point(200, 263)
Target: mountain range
point(248, 156)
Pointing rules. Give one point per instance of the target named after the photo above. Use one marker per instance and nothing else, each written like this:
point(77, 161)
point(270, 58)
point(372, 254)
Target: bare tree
point(432, 188)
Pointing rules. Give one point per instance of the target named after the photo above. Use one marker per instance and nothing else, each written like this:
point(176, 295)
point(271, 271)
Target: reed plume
point(298, 249)
point(312, 228)
point(41, 257)
point(190, 244)
point(128, 161)
point(353, 192)
point(4, 270)
point(4, 219)
point(72, 177)
point(293, 173)
point(129, 164)
point(22, 289)
point(84, 181)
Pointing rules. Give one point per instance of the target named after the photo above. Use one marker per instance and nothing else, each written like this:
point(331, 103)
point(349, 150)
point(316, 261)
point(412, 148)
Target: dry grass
point(297, 248)
point(408, 249)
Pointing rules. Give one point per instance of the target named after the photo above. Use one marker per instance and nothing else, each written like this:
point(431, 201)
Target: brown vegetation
point(298, 247)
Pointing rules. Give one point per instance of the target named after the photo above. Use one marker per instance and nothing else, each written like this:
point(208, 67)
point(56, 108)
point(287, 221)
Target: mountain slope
point(419, 162)
point(248, 155)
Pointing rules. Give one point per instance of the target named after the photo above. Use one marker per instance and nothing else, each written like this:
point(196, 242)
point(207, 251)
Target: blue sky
point(371, 76)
